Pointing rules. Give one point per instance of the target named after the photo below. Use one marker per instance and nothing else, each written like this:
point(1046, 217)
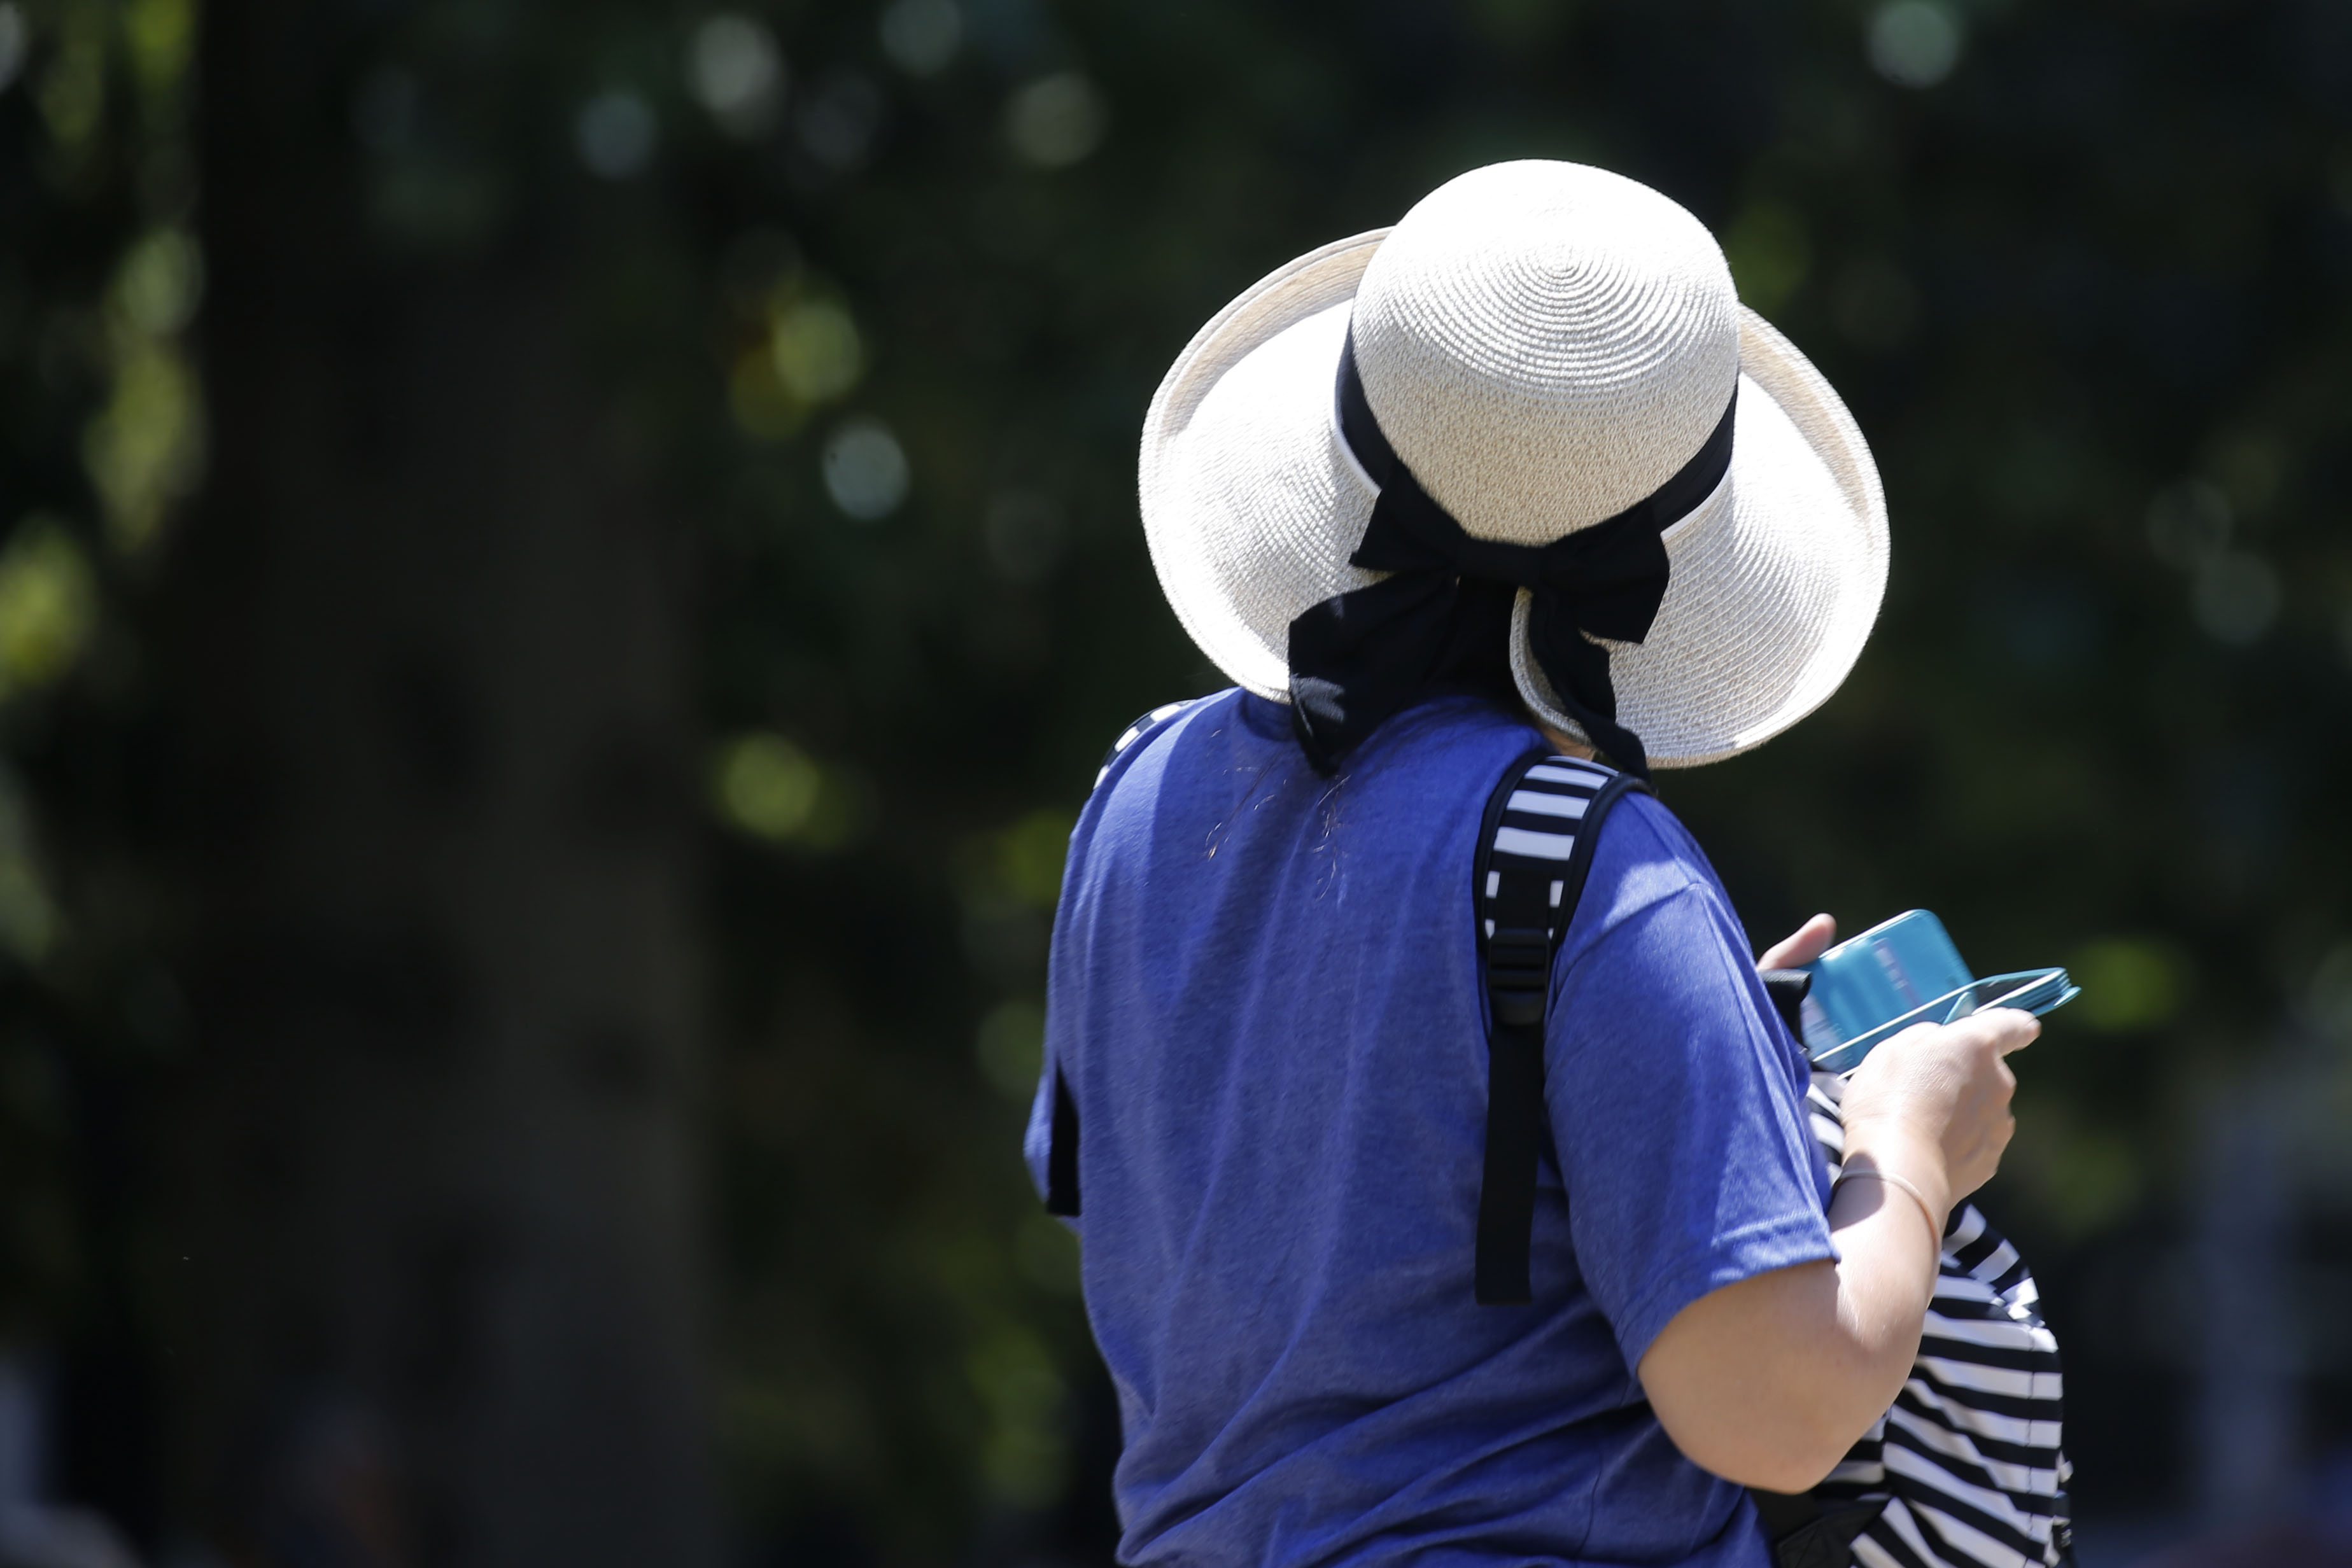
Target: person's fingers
point(1999, 1030)
point(1801, 946)
point(2012, 1029)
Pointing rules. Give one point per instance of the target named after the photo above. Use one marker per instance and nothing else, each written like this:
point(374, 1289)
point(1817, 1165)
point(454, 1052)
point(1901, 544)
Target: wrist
point(1909, 1196)
point(1917, 1160)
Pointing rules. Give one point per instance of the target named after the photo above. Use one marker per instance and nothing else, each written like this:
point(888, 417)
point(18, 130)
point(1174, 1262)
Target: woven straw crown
point(1543, 357)
point(1544, 344)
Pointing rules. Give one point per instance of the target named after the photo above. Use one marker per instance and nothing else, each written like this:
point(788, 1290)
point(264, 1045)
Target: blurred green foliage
point(879, 292)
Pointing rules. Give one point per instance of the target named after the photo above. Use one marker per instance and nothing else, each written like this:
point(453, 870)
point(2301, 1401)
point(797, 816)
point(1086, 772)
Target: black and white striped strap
point(1535, 851)
point(1137, 731)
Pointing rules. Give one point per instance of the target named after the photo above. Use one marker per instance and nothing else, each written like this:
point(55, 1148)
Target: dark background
point(566, 568)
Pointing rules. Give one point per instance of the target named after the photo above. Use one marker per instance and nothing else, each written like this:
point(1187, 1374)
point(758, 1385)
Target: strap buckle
point(1518, 974)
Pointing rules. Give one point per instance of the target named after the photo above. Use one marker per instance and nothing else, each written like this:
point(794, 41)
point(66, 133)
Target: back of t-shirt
point(1264, 1002)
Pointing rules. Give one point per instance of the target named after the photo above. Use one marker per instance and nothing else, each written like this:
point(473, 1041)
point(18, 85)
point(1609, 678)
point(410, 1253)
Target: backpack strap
point(1535, 850)
point(1062, 1152)
point(1062, 1147)
point(1135, 732)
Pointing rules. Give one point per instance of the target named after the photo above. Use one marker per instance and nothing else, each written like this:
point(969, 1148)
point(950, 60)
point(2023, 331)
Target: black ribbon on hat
point(1359, 657)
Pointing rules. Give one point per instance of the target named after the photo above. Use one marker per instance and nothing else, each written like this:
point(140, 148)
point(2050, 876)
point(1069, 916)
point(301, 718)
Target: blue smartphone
point(1902, 972)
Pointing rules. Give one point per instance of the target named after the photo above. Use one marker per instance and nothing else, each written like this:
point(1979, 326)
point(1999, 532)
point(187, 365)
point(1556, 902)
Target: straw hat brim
point(1252, 504)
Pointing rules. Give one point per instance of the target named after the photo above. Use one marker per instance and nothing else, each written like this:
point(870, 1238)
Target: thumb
point(2012, 1029)
point(1801, 946)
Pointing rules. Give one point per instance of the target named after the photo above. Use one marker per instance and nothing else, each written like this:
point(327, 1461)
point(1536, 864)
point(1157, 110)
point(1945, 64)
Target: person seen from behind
point(1518, 473)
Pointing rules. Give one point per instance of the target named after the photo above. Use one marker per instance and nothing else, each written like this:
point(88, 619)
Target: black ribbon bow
point(1359, 657)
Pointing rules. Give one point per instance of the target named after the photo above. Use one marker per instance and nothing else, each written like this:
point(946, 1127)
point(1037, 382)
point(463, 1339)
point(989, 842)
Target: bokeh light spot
point(2128, 983)
point(72, 89)
point(1024, 1456)
point(767, 786)
point(1915, 43)
point(2249, 465)
point(1056, 120)
point(1011, 1048)
point(145, 448)
point(817, 351)
point(160, 282)
point(865, 469)
point(762, 406)
point(48, 606)
point(2235, 598)
point(1030, 855)
point(921, 37)
point(616, 134)
point(12, 45)
point(161, 35)
point(736, 72)
point(28, 916)
point(1048, 1254)
point(2094, 1177)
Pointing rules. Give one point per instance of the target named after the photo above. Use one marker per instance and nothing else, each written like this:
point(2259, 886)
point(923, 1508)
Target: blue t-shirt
point(1264, 999)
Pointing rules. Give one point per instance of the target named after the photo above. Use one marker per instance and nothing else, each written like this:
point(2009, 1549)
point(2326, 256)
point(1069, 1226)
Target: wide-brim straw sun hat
point(1544, 345)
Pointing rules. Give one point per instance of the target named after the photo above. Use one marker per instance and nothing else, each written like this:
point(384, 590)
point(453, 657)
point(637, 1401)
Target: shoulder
point(1655, 948)
point(1643, 857)
point(1168, 761)
point(1644, 830)
point(1138, 730)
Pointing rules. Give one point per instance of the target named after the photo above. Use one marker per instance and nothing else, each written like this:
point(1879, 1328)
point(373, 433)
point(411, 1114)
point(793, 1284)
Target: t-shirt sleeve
point(1037, 1138)
point(1676, 1111)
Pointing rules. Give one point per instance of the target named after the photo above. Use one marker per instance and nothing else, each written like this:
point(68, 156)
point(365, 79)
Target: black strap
point(1535, 851)
point(1809, 1531)
point(1788, 989)
point(1062, 1153)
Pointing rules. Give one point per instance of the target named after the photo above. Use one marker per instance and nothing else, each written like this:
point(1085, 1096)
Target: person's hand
point(1801, 946)
point(1931, 1106)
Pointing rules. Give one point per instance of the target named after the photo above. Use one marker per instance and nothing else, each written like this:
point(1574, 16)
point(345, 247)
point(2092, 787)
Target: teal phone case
point(1902, 972)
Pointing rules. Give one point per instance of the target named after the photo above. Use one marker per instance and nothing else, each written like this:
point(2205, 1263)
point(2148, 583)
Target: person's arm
point(1768, 1382)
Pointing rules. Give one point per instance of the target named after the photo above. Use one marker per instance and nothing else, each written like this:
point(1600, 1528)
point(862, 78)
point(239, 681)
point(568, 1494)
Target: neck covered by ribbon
point(1359, 657)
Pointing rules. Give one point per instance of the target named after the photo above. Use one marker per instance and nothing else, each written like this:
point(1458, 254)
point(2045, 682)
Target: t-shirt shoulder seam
point(1691, 887)
point(1643, 806)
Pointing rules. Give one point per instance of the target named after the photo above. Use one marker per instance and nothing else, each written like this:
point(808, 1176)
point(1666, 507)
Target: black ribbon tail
point(1620, 746)
point(1357, 657)
point(1577, 668)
